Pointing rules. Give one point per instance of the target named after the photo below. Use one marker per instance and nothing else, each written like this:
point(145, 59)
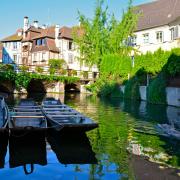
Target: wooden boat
point(27, 116)
point(63, 117)
point(4, 115)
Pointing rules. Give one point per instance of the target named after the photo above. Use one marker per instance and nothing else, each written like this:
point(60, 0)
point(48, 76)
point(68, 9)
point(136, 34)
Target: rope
point(31, 170)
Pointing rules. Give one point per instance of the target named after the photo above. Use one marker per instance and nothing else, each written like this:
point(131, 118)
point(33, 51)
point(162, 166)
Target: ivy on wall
point(23, 79)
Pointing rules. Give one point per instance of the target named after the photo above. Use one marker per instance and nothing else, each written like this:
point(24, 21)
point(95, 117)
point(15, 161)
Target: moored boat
point(27, 116)
point(63, 117)
point(4, 115)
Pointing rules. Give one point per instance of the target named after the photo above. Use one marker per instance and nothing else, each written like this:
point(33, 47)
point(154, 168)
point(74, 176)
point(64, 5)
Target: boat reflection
point(71, 148)
point(3, 147)
point(27, 150)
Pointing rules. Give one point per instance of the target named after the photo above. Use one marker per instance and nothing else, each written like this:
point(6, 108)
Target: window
point(43, 42)
point(159, 36)
point(14, 45)
point(70, 45)
point(39, 42)
point(146, 38)
point(15, 58)
point(174, 32)
point(35, 58)
point(70, 58)
point(133, 41)
point(5, 45)
point(43, 56)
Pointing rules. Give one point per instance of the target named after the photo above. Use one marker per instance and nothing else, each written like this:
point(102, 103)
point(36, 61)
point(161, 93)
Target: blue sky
point(62, 12)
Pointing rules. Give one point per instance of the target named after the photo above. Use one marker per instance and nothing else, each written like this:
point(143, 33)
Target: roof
point(66, 32)
point(48, 32)
point(32, 28)
point(158, 13)
point(50, 46)
point(13, 37)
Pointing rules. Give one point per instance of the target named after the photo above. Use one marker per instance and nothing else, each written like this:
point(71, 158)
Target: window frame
point(146, 38)
point(160, 36)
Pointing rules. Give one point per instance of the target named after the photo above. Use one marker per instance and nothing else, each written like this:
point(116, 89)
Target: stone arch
point(36, 86)
point(69, 87)
point(7, 87)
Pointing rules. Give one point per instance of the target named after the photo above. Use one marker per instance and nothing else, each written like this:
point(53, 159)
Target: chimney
point(26, 23)
point(43, 26)
point(35, 24)
point(57, 28)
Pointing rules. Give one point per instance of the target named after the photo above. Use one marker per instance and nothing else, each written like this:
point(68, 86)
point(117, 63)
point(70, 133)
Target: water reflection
point(125, 128)
point(27, 150)
point(3, 147)
point(71, 148)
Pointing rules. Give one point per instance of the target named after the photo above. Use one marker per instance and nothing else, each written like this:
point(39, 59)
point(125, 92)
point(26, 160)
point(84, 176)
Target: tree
point(103, 35)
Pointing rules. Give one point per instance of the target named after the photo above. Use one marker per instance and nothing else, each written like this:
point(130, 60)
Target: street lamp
point(132, 58)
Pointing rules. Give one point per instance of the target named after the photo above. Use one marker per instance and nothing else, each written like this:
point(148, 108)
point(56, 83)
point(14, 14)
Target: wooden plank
point(63, 105)
point(79, 116)
point(63, 113)
point(24, 106)
point(27, 109)
point(27, 116)
point(26, 112)
point(56, 109)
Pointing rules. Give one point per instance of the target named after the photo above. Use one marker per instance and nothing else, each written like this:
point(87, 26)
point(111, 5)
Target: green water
point(127, 131)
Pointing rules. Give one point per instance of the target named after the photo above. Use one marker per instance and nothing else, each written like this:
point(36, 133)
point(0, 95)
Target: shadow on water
point(71, 148)
point(27, 150)
point(3, 148)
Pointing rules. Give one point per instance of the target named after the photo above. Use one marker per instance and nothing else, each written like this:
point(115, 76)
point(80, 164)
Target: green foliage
point(104, 89)
point(24, 68)
point(115, 66)
point(152, 63)
point(172, 67)
point(39, 69)
point(55, 65)
point(74, 73)
point(6, 67)
point(104, 34)
point(22, 79)
point(132, 89)
point(156, 91)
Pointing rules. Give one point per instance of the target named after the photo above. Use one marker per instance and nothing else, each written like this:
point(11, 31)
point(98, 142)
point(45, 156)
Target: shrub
point(39, 69)
point(156, 91)
point(132, 89)
point(24, 68)
point(6, 67)
point(55, 65)
point(172, 67)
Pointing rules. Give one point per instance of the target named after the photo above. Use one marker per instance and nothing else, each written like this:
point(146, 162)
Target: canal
point(127, 145)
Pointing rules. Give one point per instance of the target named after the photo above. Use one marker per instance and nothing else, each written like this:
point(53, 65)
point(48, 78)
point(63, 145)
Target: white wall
point(9, 52)
point(153, 45)
point(65, 54)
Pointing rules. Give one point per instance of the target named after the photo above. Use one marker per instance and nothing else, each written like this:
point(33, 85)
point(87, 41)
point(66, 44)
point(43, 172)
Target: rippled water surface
point(127, 145)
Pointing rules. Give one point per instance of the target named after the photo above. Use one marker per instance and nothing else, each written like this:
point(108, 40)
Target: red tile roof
point(52, 45)
point(158, 13)
point(13, 37)
point(49, 46)
point(48, 32)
